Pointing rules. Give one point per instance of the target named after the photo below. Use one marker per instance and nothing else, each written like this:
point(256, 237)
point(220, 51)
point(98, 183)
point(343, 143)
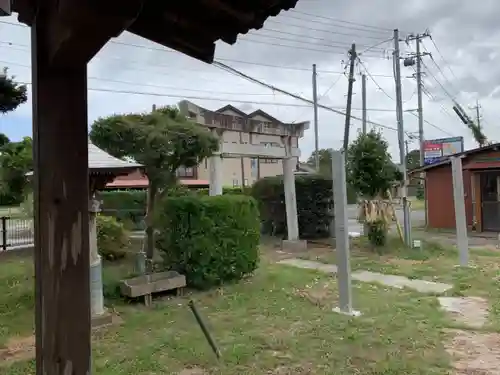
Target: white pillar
point(215, 172)
point(96, 294)
point(459, 204)
point(292, 221)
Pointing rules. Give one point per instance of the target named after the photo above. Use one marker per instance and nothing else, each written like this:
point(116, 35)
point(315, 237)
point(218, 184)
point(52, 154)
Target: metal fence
point(15, 232)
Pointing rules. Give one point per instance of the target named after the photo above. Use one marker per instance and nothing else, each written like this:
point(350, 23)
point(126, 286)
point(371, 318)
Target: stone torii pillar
point(215, 160)
point(96, 294)
point(292, 242)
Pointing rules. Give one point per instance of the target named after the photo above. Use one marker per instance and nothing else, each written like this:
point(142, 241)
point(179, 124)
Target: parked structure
point(252, 146)
point(481, 174)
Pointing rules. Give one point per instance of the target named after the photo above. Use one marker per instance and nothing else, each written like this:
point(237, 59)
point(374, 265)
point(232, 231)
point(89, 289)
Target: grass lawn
point(433, 263)
point(278, 321)
point(417, 204)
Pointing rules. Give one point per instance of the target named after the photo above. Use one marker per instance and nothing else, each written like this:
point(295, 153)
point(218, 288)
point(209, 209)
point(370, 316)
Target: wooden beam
point(61, 190)
point(154, 28)
point(80, 28)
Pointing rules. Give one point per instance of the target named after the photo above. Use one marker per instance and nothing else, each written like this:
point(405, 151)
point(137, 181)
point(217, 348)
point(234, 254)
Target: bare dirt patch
point(471, 311)
point(18, 349)
point(474, 353)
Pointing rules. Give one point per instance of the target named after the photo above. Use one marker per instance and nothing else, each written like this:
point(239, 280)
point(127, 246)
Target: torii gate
point(66, 35)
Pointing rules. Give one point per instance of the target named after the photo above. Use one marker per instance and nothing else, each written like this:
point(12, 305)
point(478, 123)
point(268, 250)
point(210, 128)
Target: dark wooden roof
point(464, 154)
point(193, 26)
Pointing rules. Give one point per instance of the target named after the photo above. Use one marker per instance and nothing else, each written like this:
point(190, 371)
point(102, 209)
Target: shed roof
point(464, 154)
point(102, 162)
point(193, 27)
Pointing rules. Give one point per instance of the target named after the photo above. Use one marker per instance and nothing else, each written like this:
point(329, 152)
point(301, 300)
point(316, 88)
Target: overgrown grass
point(433, 262)
point(277, 322)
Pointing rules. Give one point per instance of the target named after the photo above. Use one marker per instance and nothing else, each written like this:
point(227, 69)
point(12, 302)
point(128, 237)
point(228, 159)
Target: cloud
point(466, 36)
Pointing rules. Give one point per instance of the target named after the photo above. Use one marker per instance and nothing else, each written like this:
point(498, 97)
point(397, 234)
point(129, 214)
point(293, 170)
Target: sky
point(131, 74)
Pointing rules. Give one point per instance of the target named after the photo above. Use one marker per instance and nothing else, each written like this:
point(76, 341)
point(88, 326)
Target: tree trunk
point(149, 244)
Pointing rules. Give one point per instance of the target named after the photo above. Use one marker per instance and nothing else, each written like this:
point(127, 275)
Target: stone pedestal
point(96, 294)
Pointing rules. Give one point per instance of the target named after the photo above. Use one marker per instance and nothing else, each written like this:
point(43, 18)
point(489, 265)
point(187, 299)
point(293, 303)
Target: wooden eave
point(193, 27)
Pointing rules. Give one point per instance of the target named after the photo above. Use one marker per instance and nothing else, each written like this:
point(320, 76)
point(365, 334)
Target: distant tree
point(413, 159)
point(325, 161)
point(370, 170)
point(162, 141)
point(16, 159)
point(12, 94)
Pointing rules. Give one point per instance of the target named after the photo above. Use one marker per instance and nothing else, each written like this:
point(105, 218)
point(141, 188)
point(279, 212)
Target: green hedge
point(127, 206)
point(112, 238)
point(211, 240)
point(314, 205)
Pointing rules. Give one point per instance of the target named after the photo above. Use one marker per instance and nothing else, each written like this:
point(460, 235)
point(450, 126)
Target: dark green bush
point(211, 240)
point(377, 234)
point(112, 238)
point(227, 190)
point(127, 206)
point(314, 205)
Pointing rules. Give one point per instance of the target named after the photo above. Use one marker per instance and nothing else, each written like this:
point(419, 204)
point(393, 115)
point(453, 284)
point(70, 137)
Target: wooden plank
point(62, 311)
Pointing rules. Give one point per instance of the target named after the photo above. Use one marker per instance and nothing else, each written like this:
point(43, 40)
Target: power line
point(167, 95)
point(390, 97)
point(255, 63)
point(246, 39)
point(364, 27)
point(298, 97)
point(302, 27)
point(330, 43)
point(333, 45)
point(442, 57)
point(374, 81)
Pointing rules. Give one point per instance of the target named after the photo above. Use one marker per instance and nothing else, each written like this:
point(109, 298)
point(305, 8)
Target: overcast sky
point(466, 65)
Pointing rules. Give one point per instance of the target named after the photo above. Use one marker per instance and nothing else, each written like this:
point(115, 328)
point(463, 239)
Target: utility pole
point(353, 57)
point(406, 148)
point(401, 140)
point(416, 59)
point(363, 98)
point(316, 132)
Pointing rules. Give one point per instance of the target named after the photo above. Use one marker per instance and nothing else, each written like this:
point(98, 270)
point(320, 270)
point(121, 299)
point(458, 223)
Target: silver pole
point(401, 140)
point(460, 218)
point(341, 233)
point(316, 130)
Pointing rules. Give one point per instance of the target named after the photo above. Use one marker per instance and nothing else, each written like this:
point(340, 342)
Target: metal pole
point(419, 98)
point(363, 98)
point(341, 233)
point(460, 218)
point(315, 105)
point(401, 140)
point(352, 52)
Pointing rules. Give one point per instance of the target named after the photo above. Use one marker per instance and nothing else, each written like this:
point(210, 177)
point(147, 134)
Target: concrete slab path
point(394, 281)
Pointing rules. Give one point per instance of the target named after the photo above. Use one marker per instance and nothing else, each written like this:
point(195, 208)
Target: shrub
point(127, 206)
point(314, 205)
point(211, 240)
point(112, 238)
point(228, 190)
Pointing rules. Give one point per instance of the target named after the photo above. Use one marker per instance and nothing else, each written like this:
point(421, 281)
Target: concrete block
point(149, 284)
point(294, 246)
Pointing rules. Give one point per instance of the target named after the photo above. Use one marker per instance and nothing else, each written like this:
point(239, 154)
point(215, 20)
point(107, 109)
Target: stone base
point(294, 246)
point(353, 313)
point(101, 320)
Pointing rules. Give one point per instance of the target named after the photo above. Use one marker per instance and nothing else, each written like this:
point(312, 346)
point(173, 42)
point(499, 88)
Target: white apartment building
point(256, 133)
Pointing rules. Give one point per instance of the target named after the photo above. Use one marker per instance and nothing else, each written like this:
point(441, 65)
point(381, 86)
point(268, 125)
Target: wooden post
point(61, 190)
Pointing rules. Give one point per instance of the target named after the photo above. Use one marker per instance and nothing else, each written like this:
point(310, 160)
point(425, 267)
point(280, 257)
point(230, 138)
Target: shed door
point(490, 194)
